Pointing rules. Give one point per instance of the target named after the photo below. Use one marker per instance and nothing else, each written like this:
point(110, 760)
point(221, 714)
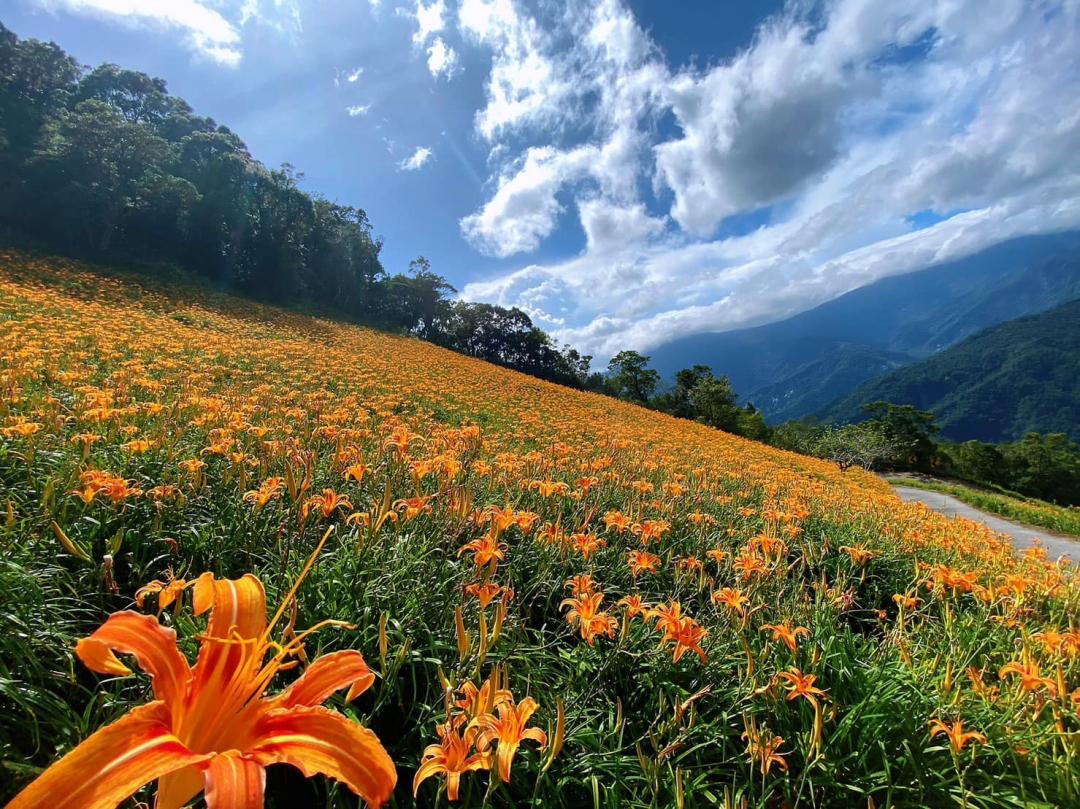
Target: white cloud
point(204, 29)
point(611, 227)
point(524, 208)
point(524, 84)
point(354, 75)
point(825, 134)
point(416, 160)
point(430, 20)
point(442, 59)
point(357, 110)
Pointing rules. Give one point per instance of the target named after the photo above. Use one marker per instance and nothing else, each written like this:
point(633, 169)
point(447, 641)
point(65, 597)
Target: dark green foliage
point(902, 438)
point(108, 165)
point(628, 371)
point(697, 394)
point(1009, 380)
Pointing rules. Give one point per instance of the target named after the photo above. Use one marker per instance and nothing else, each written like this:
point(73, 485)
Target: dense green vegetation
point(108, 165)
point(1009, 380)
point(902, 438)
point(698, 394)
point(1012, 506)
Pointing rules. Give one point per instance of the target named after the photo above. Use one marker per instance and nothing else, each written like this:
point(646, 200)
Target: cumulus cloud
point(205, 30)
point(430, 20)
point(819, 140)
point(354, 75)
point(442, 59)
point(416, 160)
point(524, 83)
point(611, 227)
point(524, 208)
point(357, 109)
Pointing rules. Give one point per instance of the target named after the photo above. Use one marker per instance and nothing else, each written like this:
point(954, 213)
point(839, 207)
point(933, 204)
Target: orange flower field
point(254, 556)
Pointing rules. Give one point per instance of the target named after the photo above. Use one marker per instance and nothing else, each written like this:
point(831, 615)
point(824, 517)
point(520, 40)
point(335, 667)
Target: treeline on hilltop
point(697, 394)
point(105, 164)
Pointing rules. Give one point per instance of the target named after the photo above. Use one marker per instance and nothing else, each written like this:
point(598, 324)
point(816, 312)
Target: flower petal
point(112, 764)
point(179, 788)
point(151, 644)
point(239, 603)
point(325, 676)
point(319, 741)
point(434, 766)
point(234, 782)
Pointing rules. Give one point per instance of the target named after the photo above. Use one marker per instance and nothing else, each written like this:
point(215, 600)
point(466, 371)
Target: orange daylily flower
point(801, 685)
point(687, 635)
point(356, 471)
point(649, 530)
point(766, 750)
point(453, 756)
point(906, 601)
point(587, 544)
point(732, 599)
point(957, 736)
point(1030, 676)
point(717, 555)
point(550, 488)
point(786, 633)
point(167, 592)
point(635, 606)
point(582, 583)
point(667, 616)
point(475, 702)
point(211, 726)
point(750, 565)
point(328, 503)
point(413, 507)
point(486, 550)
point(642, 562)
point(485, 593)
point(616, 520)
point(270, 489)
point(859, 555)
point(585, 614)
point(509, 731)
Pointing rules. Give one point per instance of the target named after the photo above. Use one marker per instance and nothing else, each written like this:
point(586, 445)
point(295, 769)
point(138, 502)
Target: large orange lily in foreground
point(211, 727)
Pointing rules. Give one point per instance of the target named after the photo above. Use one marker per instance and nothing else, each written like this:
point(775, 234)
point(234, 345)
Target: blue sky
point(631, 171)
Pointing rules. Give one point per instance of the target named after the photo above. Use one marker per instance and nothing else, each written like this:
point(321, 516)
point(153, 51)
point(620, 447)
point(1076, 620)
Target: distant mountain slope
point(786, 368)
point(809, 389)
point(1007, 380)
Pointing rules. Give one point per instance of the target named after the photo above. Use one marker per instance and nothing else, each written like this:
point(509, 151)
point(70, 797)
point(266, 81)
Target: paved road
point(1023, 536)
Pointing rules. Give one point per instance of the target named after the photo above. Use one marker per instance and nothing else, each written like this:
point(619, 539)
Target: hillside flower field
point(245, 550)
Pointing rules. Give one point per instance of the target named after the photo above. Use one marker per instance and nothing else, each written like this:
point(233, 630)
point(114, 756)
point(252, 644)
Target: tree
point(751, 424)
point(632, 378)
point(677, 400)
point(1045, 466)
point(865, 445)
point(910, 430)
point(107, 163)
point(977, 461)
point(418, 300)
point(102, 166)
point(714, 404)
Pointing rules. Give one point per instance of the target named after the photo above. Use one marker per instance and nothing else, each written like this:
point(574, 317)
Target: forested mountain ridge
point(795, 367)
point(998, 385)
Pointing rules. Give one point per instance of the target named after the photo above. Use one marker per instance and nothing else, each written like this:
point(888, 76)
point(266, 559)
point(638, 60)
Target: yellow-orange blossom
point(211, 726)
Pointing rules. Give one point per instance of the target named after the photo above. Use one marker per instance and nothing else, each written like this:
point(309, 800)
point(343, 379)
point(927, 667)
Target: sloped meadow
point(535, 596)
